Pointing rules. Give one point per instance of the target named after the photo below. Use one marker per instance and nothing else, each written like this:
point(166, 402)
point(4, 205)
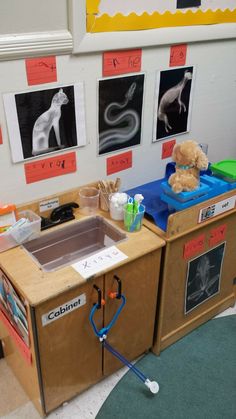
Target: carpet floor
point(196, 375)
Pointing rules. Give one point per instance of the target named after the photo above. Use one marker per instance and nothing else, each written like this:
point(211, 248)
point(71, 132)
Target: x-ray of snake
point(119, 135)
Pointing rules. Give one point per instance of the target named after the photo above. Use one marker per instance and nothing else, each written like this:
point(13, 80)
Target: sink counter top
point(37, 286)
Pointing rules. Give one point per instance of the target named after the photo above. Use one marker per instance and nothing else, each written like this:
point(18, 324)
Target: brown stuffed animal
point(189, 159)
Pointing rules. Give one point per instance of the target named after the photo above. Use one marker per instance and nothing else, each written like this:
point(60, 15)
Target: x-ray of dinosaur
point(171, 95)
point(203, 280)
point(119, 135)
point(45, 122)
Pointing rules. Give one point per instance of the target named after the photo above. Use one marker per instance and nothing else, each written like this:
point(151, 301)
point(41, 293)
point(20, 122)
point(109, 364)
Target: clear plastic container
point(22, 234)
point(117, 201)
point(133, 222)
point(74, 242)
point(88, 200)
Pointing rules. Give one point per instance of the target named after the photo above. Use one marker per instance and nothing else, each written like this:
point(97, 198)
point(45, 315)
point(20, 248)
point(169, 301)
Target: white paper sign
point(216, 209)
point(62, 310)
point(99, 262)
point(48, 205)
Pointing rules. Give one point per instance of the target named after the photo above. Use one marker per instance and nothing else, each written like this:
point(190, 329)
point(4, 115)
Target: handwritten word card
point(47, 168)
point(99, 262)
point(194, 246)
point(41, 70)
point(167, 149)
point(119, 162)
point(121, 62)
point(178, 55)
point(217, 235)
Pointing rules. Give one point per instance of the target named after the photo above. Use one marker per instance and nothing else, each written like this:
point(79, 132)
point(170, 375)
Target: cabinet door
point(70, 354)
point(132, 334)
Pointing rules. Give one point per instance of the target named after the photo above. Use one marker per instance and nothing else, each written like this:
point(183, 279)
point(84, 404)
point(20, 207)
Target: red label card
point(120, 62)
point(23, 348)
point(118, 163)
point(55, 166)
point(194, 246)
point(0, 135)
point(167, 149)
point(217, 235)
point(41, 70)
point(178, 55)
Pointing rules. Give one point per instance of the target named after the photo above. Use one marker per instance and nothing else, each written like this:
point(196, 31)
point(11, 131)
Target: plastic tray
point(203, 189)
point(225, 168)
point(22, 234)
point(215, 185)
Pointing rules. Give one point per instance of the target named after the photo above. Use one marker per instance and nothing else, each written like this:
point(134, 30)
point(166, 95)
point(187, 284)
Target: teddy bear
point(190, 159)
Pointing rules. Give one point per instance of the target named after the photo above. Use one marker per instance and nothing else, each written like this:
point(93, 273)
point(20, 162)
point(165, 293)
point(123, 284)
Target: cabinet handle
point(100, 302)
point(119, 286)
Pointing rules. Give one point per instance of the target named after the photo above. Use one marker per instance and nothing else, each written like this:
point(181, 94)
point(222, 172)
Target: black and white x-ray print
point(173, 102)
point(44, 121)
point(204, 277)
point(120, 104)
point(182, 4)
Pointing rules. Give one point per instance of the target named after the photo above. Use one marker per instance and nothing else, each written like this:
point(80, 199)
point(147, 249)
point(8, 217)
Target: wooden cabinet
point(198, 269)
point(132, 334)
point(71, 356)
point(69, 352)
point(67, 357)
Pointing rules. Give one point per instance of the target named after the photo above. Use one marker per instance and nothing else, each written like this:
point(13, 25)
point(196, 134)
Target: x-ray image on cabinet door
point(120, 104)
point(203, 277)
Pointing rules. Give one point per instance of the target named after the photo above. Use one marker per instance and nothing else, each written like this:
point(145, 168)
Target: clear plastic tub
point(74, 242)
point(22, 234)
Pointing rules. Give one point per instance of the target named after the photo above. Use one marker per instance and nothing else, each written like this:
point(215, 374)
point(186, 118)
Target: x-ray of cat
point(45, 122)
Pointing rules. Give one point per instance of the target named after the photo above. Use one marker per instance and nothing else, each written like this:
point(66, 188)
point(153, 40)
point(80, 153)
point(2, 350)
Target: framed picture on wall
point(204, 277)
point(120, 106)
point(142, 23)
point(173, 102)
point(45, 121)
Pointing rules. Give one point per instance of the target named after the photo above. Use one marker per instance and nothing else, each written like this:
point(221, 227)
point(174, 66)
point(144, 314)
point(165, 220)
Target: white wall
point(19, 16)
point(213, 117)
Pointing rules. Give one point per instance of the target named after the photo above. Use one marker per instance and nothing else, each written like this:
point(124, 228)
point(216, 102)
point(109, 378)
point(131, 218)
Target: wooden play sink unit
point(73, 242)
point(51, 347)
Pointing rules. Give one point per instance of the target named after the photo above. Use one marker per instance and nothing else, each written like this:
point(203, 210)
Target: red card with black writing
point(194, 246)
point(121, 62)
point(178, 55)
point(41, 70)
point(217, 235)
point(119, 162)
point(167, 149)
point(51, 167)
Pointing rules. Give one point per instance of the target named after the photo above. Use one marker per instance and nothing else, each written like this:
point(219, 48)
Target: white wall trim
point(35, 44)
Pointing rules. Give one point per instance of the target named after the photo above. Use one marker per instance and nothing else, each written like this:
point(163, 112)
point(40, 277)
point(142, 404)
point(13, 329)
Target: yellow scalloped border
point(134, 22)
point(92, 6)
